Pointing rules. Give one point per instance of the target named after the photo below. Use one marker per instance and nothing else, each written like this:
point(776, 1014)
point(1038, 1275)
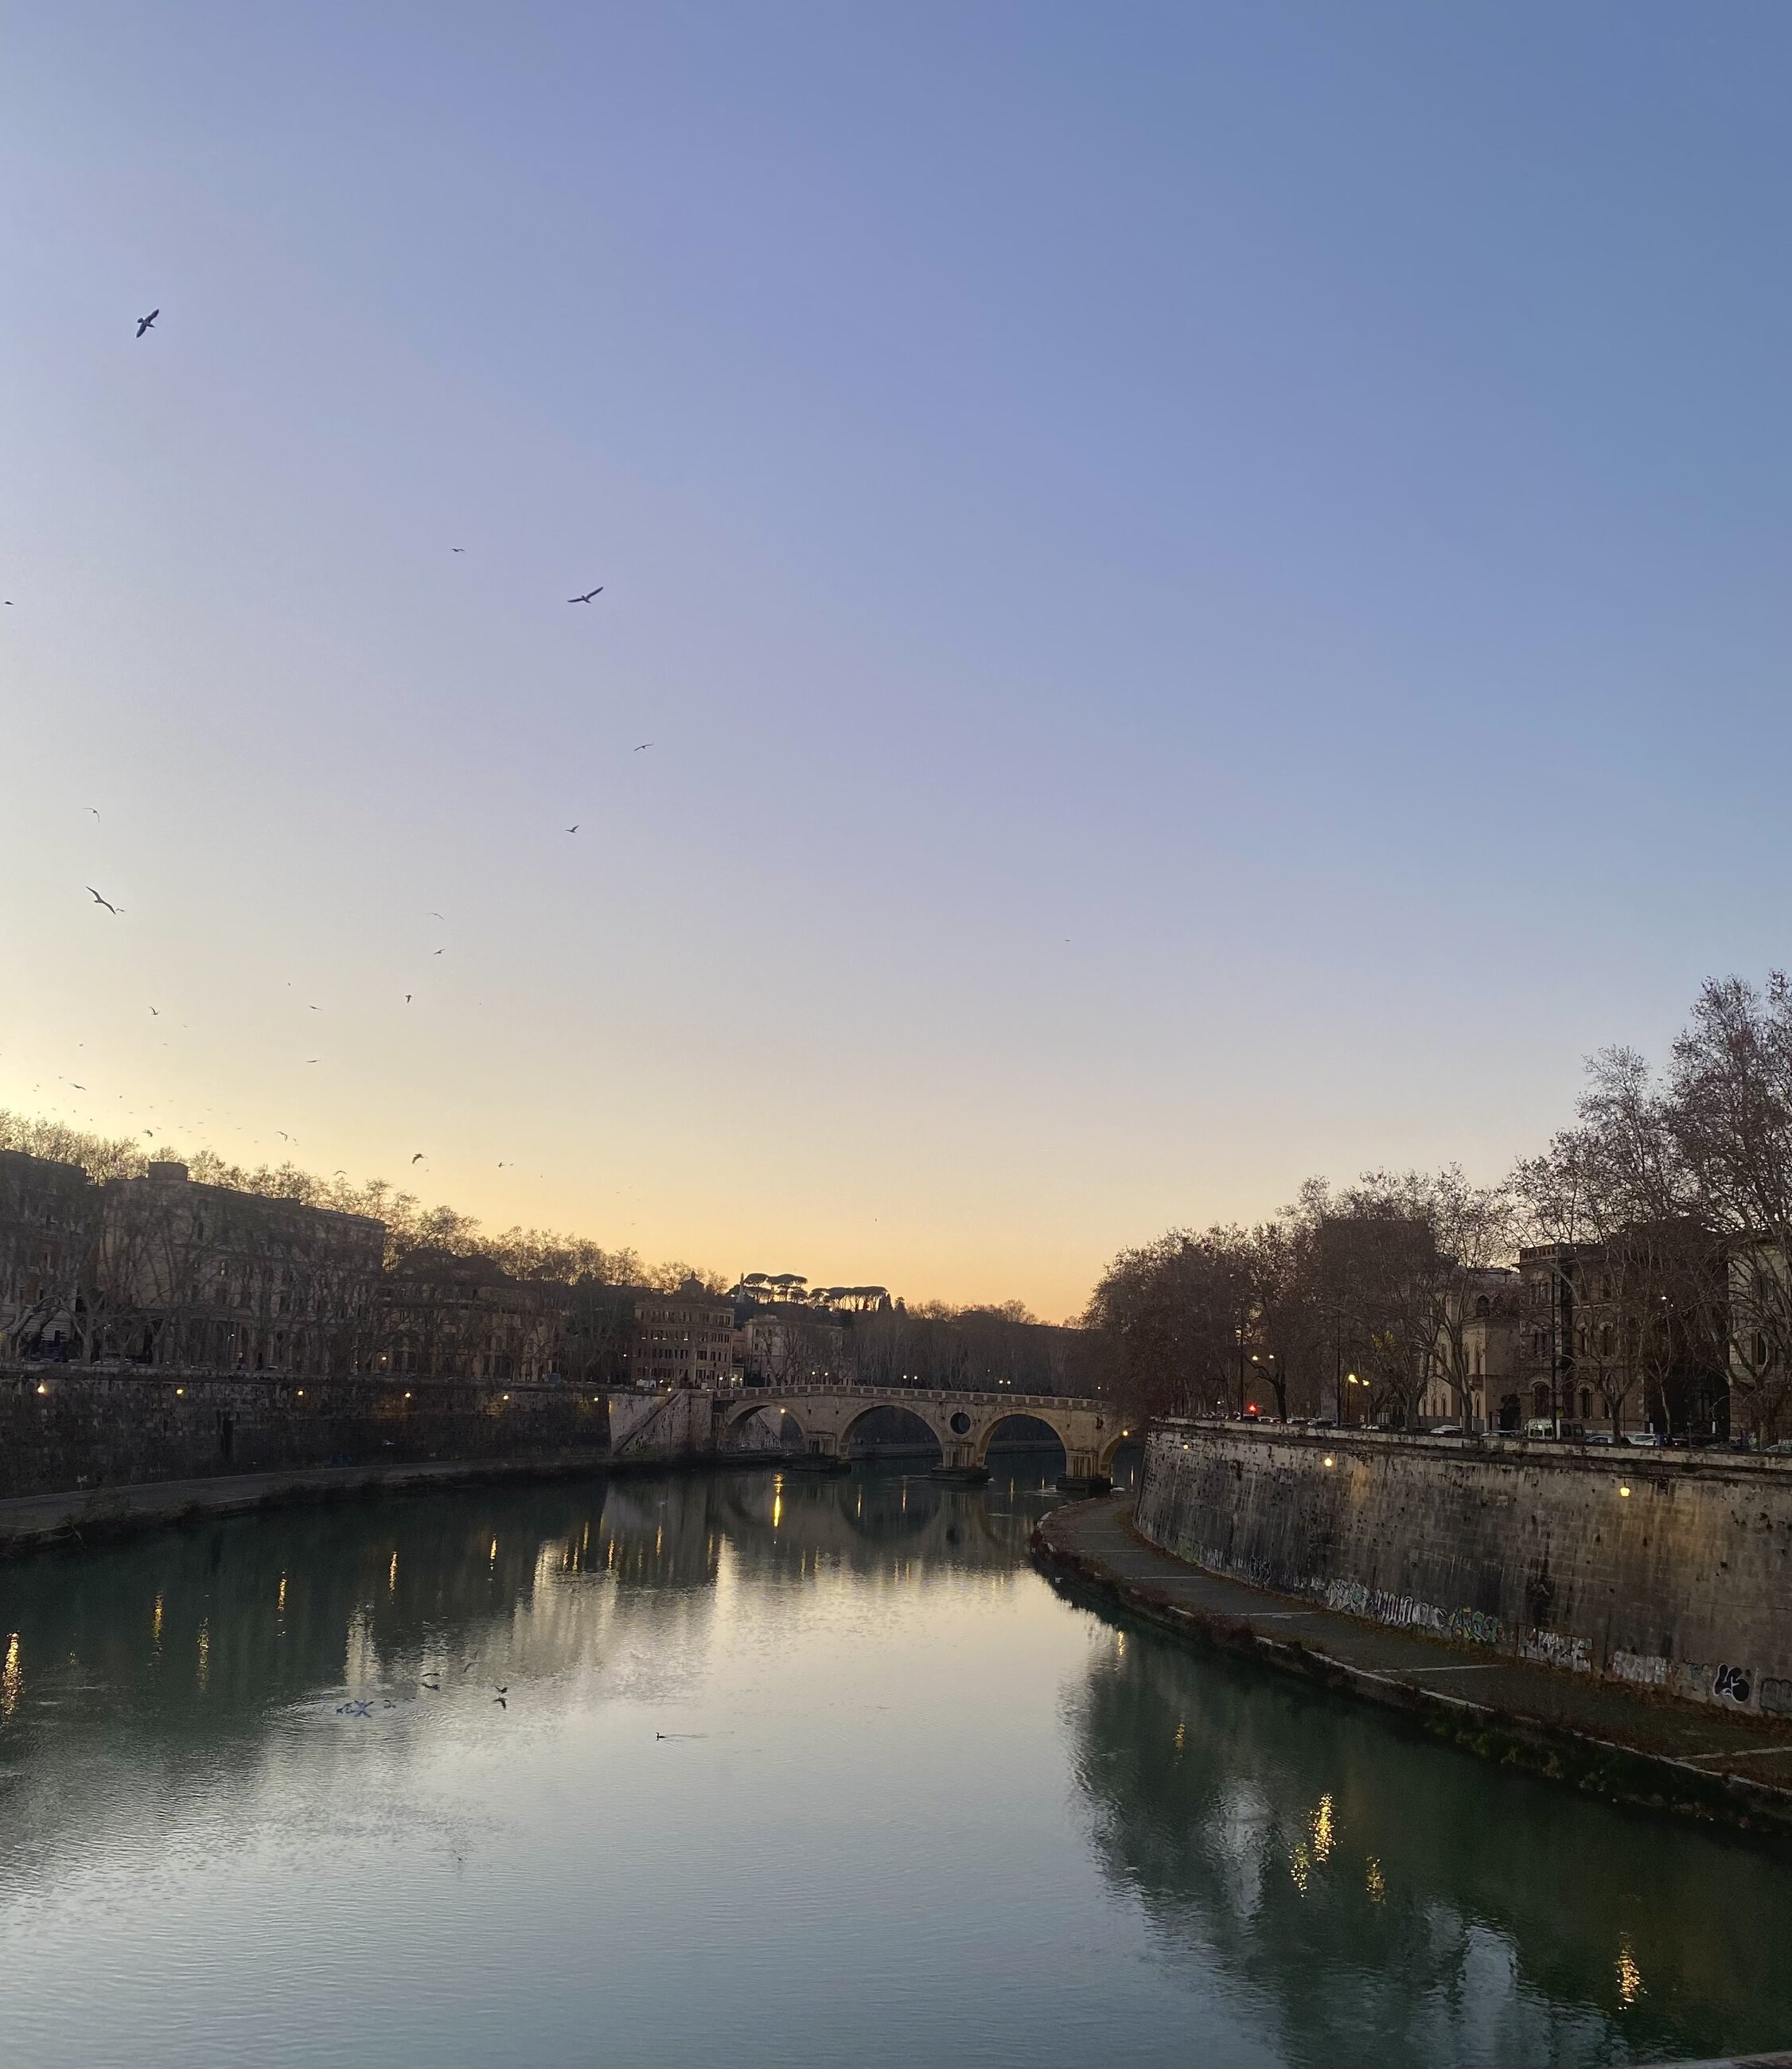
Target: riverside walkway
point(1612, 1741)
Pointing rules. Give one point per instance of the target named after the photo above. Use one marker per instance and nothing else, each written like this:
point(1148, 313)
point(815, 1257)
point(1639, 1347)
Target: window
point(1586, 1403)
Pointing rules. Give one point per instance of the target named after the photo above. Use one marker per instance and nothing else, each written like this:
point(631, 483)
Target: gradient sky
point(1209, 584)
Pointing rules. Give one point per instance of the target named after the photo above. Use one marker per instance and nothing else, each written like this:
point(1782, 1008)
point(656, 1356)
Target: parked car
point(1540, 1426)
point(1651, 1439)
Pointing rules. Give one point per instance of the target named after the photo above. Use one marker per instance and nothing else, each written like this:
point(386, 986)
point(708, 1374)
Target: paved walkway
point(1689, 1747)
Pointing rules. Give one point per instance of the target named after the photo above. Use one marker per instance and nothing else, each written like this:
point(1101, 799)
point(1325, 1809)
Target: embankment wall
point(1683, 1584)
point(64, 1427)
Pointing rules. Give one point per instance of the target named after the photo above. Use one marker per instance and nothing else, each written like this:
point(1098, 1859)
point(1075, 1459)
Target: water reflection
point(1389, 1900)
point(773, 1766)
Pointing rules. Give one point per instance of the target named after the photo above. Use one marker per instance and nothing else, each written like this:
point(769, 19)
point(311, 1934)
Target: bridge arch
point(915, 1414)
point(1004, 1416)
point(739, 1417)
point(1132, 1434)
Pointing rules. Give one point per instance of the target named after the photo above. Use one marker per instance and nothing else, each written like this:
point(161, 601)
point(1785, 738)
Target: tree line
point(1669, 1197)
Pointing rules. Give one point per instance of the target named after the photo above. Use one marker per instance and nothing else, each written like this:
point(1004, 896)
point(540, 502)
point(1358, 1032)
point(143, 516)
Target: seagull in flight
point(417, 1158)
point(282, 1133)
point(98, 900)
point(588, 595)
point(457, 549)
point(95, 810)
point(143, 323)
point(574, 830)
point(643, 746)
point(407, 998)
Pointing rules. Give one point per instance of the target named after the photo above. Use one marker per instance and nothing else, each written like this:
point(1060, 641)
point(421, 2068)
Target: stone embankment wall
point(64, 1427)
point(1682, 1584)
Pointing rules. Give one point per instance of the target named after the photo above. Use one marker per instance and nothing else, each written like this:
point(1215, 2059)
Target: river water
point(785, 1770)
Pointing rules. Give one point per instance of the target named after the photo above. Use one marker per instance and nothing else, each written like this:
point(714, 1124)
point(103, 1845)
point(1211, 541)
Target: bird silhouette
point(435, 1687)
point(457, 549)
point(143, 323)
point(314, 1059)
point(91, 809)
point(282, 1133)
point(407, 998)
point(153, 1014)
point(503, 1687)
point(98, 900)
point(417, 1158)
point(643, 746)
point(588, 595)
point(501, 1702)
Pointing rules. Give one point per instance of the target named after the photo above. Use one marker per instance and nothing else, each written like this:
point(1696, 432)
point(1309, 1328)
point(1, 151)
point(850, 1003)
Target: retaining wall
point(65, 1427)
point(1684, 1584)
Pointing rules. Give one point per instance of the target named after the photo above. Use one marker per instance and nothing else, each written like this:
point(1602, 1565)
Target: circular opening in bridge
point(961, 1424)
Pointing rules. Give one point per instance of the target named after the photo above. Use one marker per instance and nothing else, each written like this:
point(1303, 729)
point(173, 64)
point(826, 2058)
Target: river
point(783, 1770)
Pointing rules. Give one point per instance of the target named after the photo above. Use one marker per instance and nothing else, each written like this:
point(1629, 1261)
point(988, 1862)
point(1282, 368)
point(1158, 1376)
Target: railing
point(808, 1390)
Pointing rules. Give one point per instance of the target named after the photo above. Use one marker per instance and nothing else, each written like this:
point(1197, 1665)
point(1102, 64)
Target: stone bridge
point(963, 1423)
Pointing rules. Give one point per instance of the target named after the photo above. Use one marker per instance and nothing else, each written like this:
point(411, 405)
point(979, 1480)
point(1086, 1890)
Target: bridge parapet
point(962, 1423)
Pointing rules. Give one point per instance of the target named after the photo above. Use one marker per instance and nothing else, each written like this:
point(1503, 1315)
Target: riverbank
point(100, 1515)
point(1628, 1746)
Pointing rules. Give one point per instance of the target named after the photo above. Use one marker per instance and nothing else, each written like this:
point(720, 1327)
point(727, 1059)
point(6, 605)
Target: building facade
point(49, 1215)
point(195, 1274)
point(684, 1338)
point(444, 1315)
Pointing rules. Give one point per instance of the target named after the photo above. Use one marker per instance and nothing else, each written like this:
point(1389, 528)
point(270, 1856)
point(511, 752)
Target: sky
point(1207, 586)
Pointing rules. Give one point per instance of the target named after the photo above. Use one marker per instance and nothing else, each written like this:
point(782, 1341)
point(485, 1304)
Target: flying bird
point(417, 1158)
point(501, 1702)
point(153, 1014)
point(407, 998)
point(574, 830)
point(143, 323)
point(438, 916)
point(98, 900)
point(643, 746)
point(79, 1089)
point(588, 595)
point(314, 1059)
point(94, 809)
point(282, 1133)
point(457, 549)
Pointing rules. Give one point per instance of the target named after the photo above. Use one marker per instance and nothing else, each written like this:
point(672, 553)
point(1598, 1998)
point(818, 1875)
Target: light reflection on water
point(775, 1767)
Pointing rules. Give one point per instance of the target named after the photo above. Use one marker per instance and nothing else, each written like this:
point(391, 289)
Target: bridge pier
point(823, 1455)
point(1083, 1474)
point(959, 1464)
